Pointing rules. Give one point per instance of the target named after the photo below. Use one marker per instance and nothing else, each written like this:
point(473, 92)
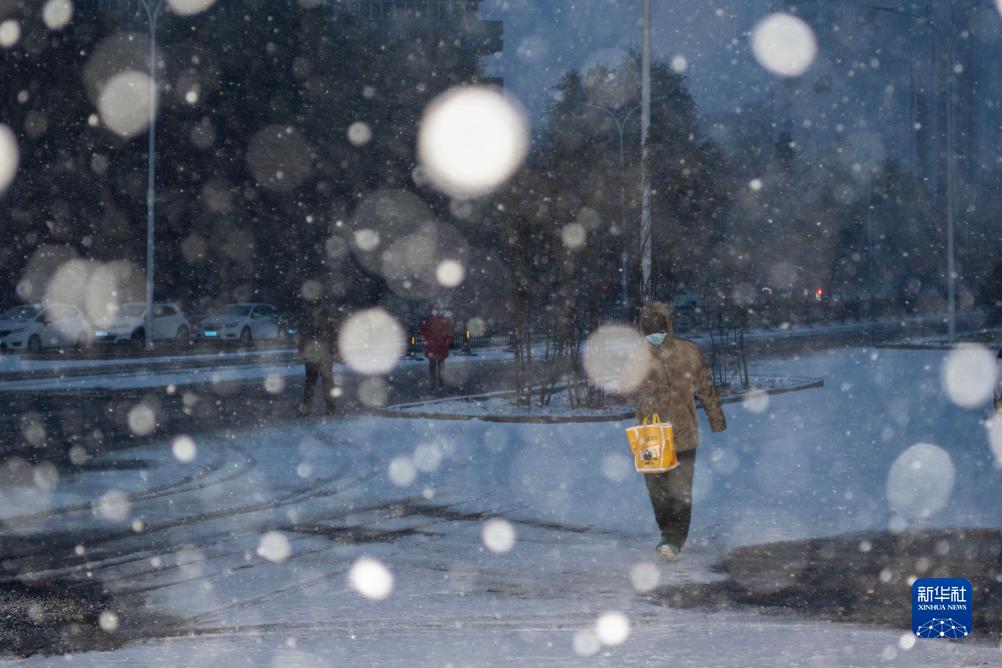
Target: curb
point(140, 368)
point(806, 384)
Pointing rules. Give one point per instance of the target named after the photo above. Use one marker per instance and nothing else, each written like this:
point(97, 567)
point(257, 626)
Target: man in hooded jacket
point(317, 342)
point(678, 373)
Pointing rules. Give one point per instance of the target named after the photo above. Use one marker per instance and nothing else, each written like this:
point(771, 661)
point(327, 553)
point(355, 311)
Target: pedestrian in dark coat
point(436, 331)
point(318, 330)
point(678, 374)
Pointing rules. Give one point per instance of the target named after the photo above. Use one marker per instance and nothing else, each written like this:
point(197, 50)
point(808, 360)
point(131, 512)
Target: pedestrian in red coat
point(436, 331)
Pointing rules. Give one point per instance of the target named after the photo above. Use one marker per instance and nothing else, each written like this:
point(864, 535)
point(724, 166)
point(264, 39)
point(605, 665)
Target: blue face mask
point(656, 339)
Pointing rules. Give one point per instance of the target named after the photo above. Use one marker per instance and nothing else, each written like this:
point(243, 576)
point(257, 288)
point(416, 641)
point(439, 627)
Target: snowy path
point(184, 546)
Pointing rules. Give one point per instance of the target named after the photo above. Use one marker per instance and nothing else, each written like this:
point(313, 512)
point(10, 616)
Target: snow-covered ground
point(561, 406)
point(390, 542)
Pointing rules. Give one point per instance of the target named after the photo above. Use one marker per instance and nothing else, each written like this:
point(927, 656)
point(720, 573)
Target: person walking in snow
point(317, 341)
point(436, 331)
point(678, 373)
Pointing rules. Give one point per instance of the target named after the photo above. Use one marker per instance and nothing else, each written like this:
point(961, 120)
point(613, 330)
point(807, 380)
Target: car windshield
point(20, 313)
point(132, 310)
point(232, 310)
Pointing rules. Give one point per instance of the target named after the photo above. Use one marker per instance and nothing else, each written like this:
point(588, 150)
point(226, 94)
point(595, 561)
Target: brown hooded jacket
point(678, 373)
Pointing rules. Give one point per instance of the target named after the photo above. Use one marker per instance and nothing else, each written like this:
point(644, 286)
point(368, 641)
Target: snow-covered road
point(370, 541)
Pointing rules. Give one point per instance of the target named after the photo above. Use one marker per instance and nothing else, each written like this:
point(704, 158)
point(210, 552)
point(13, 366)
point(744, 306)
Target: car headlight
point(18, 330)
point(231, 324)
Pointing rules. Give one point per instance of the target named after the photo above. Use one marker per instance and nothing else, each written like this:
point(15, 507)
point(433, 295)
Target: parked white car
point(129, 324)
point(245, 323)
point(32, 327)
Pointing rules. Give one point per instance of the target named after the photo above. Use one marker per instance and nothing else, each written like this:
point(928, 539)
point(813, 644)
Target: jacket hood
point(658, 308)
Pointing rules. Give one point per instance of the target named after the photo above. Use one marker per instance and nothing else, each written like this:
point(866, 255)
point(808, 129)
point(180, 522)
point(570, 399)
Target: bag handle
point(654, 419)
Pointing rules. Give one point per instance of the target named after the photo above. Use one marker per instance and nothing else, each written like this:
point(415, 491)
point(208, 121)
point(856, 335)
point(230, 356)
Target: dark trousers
point(436, 368)
point(318, 368)
point(671, 497)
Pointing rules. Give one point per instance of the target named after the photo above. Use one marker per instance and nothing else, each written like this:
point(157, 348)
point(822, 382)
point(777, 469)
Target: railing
point(496, 336)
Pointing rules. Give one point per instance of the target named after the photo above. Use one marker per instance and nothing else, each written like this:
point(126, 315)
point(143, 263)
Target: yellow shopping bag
point(653, 445)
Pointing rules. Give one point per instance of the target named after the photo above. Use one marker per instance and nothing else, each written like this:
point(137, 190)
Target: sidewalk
point(17, 374)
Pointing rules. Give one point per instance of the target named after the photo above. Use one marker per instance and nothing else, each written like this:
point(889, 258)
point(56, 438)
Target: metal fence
point(495, 336)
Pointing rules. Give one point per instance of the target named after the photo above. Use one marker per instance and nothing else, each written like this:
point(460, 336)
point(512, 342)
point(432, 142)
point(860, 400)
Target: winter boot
point(667, 552)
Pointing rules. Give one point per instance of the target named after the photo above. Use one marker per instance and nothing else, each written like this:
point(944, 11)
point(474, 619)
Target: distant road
point(48, 424)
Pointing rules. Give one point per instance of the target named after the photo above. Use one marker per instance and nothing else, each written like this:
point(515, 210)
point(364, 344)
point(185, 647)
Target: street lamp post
point(951, 273)
point(153, 9)
point(646, 245)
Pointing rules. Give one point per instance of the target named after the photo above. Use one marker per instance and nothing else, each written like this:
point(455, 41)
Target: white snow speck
point(586, 643)
point(616, 466)
point(427, 457)
point(724, 460)
point(10, 33)
point(573, 235)
point(108, 621)
point(784, 44)
point(370, 578)
point(113, 506)
point(372, 392)
point(645, 576)
point(615, 358)
point(124, 103)
point(756, 401)
point(994, 428)
point(359, 133)
point(755, 184)
point(45, 476)
point(906, 641)
point(371, 342)
point(367, 240)
point(274, 546)
point(920, 481)
point(968, 375)
point(612, 628)
point(57, 14)
point(189, 7)
point(450, 273)
point(402, 471)
point(10, 155)
point(274, 384)
point(498, 535)
point(141, 420)
point(472, 139)
point(183, 449)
